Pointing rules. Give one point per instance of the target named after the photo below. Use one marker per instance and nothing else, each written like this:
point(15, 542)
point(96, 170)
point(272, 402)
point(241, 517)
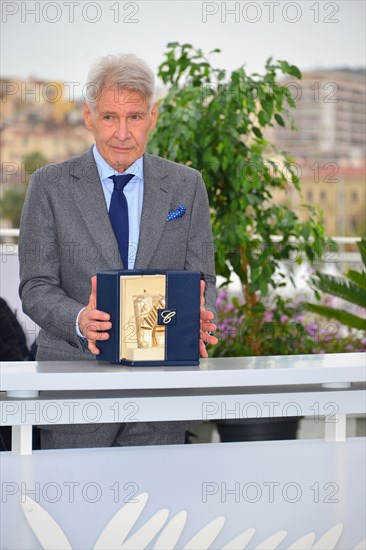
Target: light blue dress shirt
point(134, 193)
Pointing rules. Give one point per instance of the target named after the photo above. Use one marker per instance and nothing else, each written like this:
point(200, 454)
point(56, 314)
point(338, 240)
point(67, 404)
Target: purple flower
point(268, 316)
point(221, 299)
point(311, 328)
point(284, 318)
point(326, 337)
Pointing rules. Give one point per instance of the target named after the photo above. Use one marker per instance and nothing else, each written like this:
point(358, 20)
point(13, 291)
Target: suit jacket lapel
point(157, 200)
point(90, 199)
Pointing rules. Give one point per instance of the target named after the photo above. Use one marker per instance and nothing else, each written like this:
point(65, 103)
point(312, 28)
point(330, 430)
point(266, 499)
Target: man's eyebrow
point(107, 112)
point(136, 112)
point(129, 113)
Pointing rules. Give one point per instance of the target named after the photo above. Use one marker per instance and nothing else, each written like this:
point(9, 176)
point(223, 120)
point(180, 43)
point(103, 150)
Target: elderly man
point(70, 231)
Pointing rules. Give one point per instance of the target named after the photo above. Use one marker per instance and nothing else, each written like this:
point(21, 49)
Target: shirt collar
point(105, 171)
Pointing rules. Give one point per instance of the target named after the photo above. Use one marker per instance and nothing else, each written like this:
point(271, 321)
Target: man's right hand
point(92, 322)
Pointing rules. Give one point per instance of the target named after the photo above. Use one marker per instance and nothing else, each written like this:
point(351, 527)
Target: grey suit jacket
point(66, 238)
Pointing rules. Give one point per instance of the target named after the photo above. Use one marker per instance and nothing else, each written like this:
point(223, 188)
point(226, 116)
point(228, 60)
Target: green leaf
point(279, 119)
point(263, 287)
point(257, 132)
point(309, 253)
point(340, 315)
point(262, 118)
point(290, 69)
point(358, 278)
point(295, 71)
point(305, 232)
point(362, 248)
point(340, 287)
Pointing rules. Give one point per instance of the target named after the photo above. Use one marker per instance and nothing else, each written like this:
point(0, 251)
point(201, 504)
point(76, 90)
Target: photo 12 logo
point(269, 12)
point(71, 12)
point(269, 491)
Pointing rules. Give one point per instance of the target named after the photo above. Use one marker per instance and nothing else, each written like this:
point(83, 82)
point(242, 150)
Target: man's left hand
point(206, 325)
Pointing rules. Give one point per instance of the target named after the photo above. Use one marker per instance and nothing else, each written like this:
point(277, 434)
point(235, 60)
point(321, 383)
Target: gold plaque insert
point(141, 338)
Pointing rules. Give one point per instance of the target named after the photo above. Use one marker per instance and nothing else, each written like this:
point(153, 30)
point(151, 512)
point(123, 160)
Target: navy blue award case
point(167, 334)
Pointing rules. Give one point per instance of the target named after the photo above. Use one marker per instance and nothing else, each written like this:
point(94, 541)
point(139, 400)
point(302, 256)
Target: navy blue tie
point(118, 215)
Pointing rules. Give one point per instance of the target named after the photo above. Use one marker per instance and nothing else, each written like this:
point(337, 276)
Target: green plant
point(277, 325)
point(351, 289)
point(11, 204)
point(12, 201)
point(216, 122)
point(283, 328)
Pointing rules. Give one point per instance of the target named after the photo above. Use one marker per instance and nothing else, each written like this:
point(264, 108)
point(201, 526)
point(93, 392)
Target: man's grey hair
point(124, 71)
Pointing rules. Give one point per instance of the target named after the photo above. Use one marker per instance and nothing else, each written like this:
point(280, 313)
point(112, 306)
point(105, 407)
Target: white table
point(262, 495)
point(36, 393)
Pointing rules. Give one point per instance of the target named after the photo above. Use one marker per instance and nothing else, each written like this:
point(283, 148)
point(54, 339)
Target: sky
point(59, 40)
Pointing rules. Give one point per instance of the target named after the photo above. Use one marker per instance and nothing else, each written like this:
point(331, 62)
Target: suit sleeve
point(200, 249)
point(40, 289)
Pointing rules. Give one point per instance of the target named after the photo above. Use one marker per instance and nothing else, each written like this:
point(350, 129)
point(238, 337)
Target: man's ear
point(154, 116)
point(87, 116)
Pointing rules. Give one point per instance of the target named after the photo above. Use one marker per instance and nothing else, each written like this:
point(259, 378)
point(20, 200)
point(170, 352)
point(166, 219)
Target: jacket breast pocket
point(175, 225)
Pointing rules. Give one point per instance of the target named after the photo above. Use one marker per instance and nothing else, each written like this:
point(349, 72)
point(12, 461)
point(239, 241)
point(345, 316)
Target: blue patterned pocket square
point(177, 213)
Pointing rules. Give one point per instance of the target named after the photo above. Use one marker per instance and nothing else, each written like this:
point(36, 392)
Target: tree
point(216, 123)
point(13, 199)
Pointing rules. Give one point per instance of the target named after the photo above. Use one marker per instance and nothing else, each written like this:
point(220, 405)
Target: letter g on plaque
point(167, 317)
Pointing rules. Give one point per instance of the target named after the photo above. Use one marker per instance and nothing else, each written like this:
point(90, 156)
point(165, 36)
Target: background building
point(329, 146)
point(37, 117)
point(330, 116)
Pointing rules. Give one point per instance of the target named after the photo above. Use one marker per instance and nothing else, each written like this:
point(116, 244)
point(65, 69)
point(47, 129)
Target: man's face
point(121, 122)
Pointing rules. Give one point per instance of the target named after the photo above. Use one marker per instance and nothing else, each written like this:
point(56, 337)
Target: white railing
point(6, 232)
